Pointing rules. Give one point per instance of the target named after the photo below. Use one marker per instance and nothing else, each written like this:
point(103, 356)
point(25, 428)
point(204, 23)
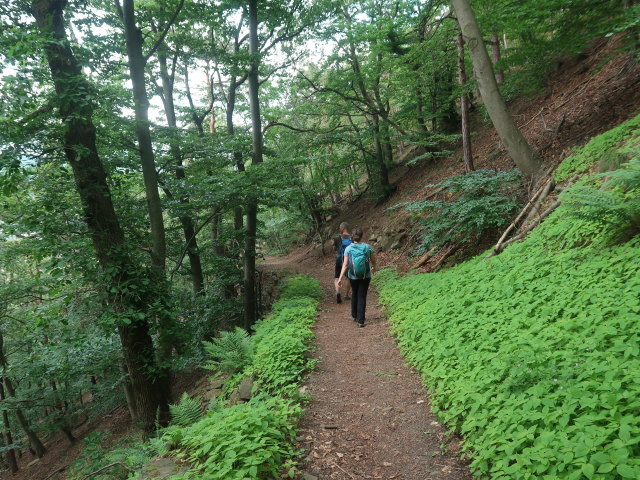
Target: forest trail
point(369, 417)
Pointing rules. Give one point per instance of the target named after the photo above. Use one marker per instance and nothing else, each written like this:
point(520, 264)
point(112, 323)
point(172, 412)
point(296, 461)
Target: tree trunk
point(128, 393)
point(34, 441)
point(93, 189)
point(137, 63)
point(237, 155)
point(495, 52)
point(464, 108)
point(516, 145)
point(384, 186)
point(252, 203)
point(188, 228)
point(10, 455)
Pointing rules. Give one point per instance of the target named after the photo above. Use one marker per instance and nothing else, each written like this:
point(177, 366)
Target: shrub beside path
point(369, 417)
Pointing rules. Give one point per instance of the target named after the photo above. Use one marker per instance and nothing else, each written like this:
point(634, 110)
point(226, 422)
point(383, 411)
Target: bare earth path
point(369, 416)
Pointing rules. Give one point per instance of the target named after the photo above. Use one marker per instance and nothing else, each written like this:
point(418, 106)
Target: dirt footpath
point(369, 416)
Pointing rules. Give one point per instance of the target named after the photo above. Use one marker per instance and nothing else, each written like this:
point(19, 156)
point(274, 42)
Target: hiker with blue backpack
point(340, 243)
point(358, 263)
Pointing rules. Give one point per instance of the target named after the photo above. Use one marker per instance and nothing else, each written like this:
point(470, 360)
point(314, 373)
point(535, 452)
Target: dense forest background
point(152, 151)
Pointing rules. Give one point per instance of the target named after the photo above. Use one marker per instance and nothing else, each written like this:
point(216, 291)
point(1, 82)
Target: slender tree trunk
point(495, 52)
point(464, 108)
point(93, 189)
point(420, 117)
point(511, 137)
point(384, 186)
point(237, 155)
point(137, 63)
point(188, 228)
point(252, 204)
point(61, 420)
point(128, 393)
point(34, 441)
point(10, 455)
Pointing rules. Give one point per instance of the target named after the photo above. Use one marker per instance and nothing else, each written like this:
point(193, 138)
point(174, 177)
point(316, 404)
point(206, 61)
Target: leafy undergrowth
point(243, 441)
point(533, 355)
point(254, 440)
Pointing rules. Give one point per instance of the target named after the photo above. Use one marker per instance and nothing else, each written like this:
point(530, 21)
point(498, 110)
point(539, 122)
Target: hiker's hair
point(357, 234)
point(344, 226)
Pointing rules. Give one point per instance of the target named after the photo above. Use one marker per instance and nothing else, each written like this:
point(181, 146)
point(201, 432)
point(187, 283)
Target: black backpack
point(343, 242)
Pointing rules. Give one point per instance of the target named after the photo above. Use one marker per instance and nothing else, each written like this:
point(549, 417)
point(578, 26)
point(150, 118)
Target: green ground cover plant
point(254, 440)
point(533, 355)
point(608, 148)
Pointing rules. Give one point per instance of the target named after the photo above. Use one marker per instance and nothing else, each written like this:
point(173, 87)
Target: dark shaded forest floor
point(369, 416)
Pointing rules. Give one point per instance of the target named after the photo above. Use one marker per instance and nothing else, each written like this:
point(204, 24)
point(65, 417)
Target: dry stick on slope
point(452, 249)
point(533, 224)
point(423, 259)
point(513, 224)
point(108, 466)
point(535, 210)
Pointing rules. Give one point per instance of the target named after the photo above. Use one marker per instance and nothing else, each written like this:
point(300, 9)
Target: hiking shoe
point(338, 298)
point(354, 319)
point(361, 325)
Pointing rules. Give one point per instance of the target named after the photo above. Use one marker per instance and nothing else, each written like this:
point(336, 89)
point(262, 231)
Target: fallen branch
point(423, 259)
point(530, 227)
point(55, 472)
point(446, 255)
point(513, 224)
point(108, 466)
point(536, 206)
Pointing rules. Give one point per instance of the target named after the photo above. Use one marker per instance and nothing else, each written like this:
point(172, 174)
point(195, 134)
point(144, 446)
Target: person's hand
point(340, 282)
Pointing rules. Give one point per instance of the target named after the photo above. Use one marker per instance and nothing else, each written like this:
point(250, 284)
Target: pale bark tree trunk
point(518, 148)
point(252, 204)
point(464, 108)
point(93, 189)
point(10, 455)
point(495, 52)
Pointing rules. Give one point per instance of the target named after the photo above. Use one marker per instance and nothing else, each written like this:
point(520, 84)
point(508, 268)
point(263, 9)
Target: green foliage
point(253, 440)
point(479, 201)
point(599, 149)
point(246, 441)
point(128, 451)
point(231, 352)
point(532, 355)
point(300, 286)
point(187, 411)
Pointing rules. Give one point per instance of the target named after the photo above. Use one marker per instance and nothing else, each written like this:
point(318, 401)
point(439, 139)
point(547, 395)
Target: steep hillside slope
point(533, 356)
point(587, 95)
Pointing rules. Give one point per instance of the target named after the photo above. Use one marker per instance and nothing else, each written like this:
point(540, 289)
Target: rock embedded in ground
point(245, 389)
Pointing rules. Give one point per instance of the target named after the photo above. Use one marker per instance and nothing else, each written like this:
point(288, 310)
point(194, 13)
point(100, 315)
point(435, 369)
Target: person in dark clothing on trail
point(340, 242)
point(358, 263)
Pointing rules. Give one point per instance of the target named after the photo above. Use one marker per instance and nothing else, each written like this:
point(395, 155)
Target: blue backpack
point(345, 241)
point(359, 263)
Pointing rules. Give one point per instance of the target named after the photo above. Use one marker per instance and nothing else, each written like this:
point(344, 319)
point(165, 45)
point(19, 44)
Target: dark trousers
point(359, 289)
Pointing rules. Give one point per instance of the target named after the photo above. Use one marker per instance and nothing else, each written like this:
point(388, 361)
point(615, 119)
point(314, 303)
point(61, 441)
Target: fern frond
point(627, 177)
point(187, 412)
point(231, 352)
